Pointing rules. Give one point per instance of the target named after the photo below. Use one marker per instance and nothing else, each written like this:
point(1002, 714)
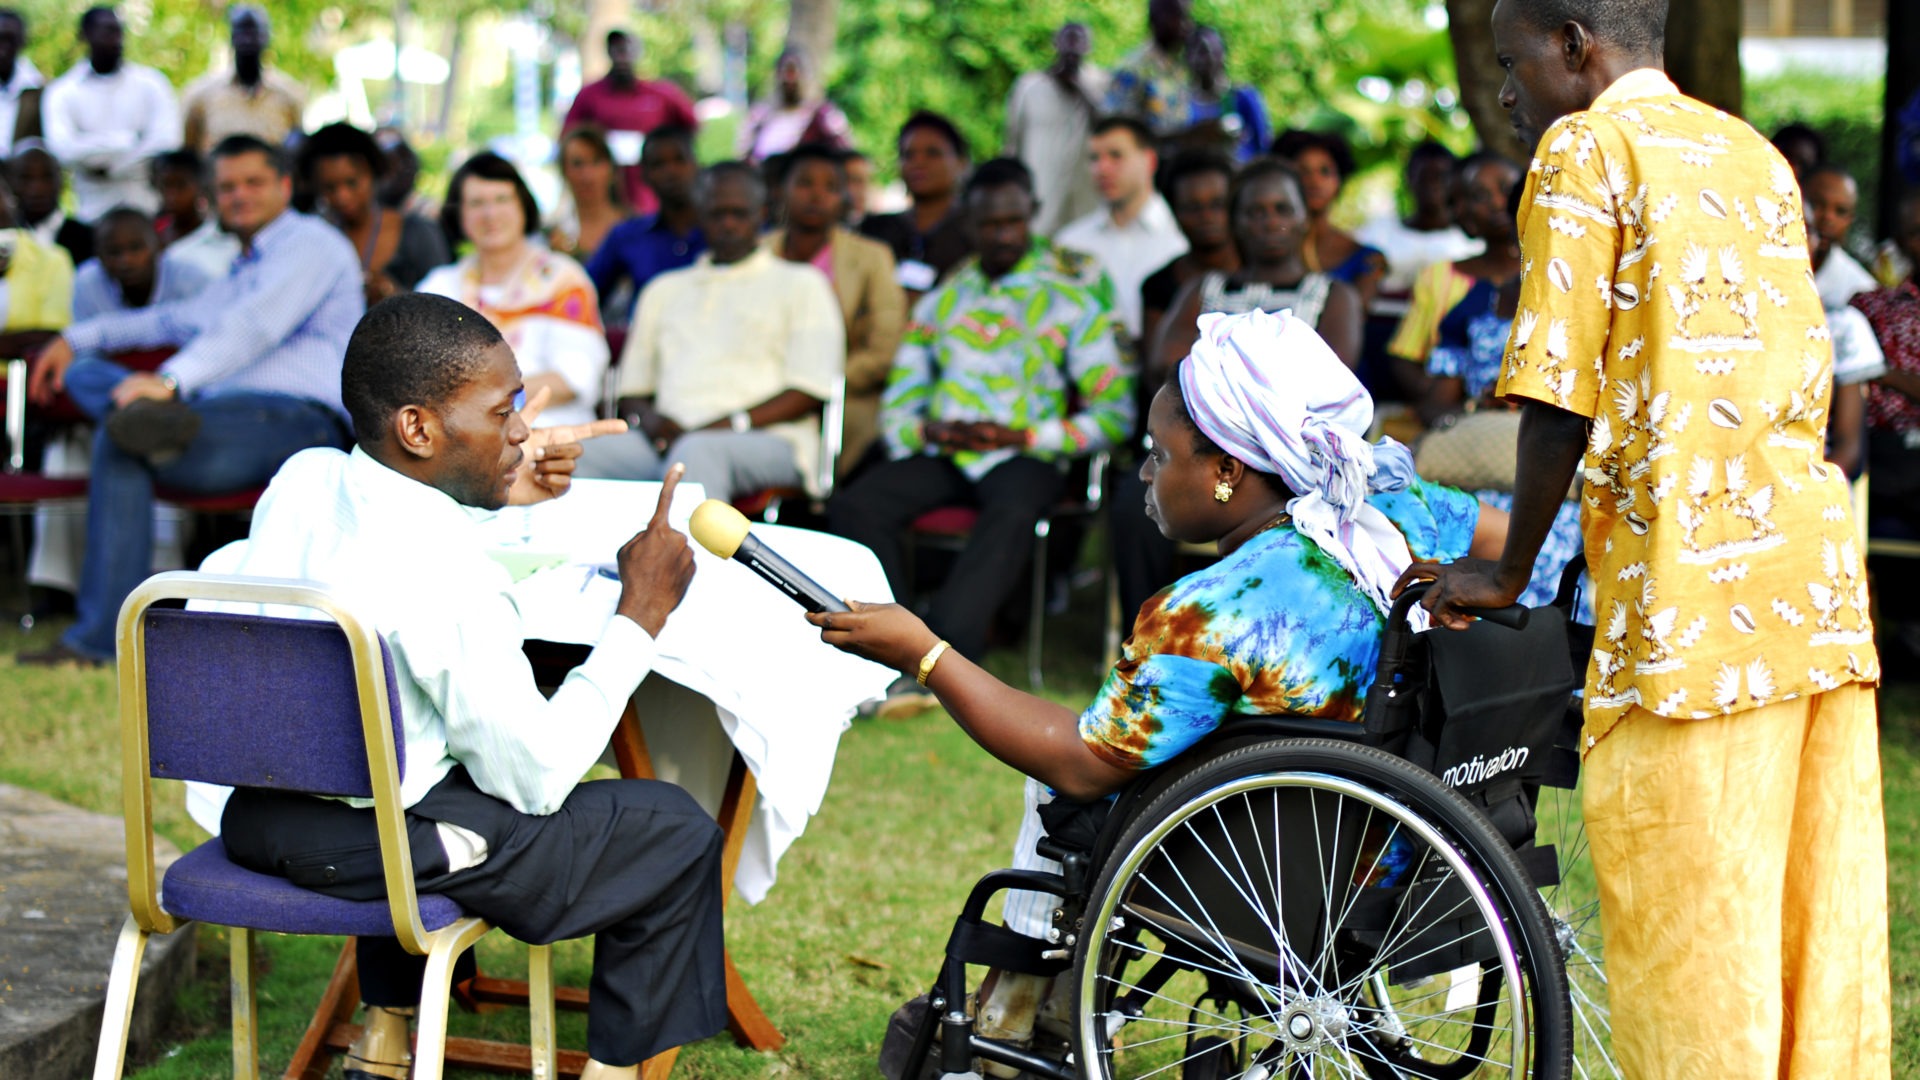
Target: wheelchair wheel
point(1362, 920)
point(1573, 907)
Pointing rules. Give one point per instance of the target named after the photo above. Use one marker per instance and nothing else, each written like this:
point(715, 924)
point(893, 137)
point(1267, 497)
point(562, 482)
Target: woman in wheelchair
point(1258, 446)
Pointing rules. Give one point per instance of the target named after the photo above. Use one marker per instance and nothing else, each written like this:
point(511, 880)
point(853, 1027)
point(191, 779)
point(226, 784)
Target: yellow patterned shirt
point(1667, 295)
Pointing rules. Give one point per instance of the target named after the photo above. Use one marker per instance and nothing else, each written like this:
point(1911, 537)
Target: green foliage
point(1847, 112)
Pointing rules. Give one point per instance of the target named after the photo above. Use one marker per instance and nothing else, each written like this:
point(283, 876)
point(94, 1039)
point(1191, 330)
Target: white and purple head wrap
point(1271, 393)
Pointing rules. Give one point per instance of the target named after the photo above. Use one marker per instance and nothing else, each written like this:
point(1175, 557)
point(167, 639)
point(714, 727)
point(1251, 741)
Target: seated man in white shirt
point(730, 360)
point(499, 819)
point(1134, 234)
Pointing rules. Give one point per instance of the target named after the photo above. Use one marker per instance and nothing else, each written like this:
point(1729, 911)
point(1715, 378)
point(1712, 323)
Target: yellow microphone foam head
point(718, 527)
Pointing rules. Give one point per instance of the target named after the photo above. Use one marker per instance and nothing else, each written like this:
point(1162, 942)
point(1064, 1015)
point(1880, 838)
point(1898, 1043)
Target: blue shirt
point(1276, 627)
point(278, 323)
point(641, 249)
point(94, 293)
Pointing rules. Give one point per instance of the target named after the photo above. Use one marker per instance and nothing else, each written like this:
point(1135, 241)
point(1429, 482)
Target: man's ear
point(1576, 45)
point(415, 431)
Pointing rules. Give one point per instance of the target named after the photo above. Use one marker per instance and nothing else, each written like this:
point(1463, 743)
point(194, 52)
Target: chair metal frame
point(149, 916)
point(832, 440)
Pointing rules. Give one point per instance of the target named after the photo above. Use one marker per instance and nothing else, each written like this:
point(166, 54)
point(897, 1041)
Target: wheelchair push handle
point(1513, 616)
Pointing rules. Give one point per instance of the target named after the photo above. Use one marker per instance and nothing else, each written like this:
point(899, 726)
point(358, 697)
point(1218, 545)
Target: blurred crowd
point(183, 268)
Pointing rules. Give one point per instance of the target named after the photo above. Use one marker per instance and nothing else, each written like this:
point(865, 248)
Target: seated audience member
point(542, 301)
point(642, 248)
point(1258, 449)
point(1481, 180)
point(1196, 187)
point(1893, 401)
point(1803, 148)
point(185, 227)
point(342, 166)
point(1830, 200)
point(928, 238)
point(859, 170)
point(1133, 233)
point(36, 178)
point(403, 172)
point(872, 305)
point(773, 175)
point(1007, 370)
point(798, 114)
point(493, 766)
point(1221, 114)
point(36, 288)
point(1468, 289)
point(730, 360)
point(256, 379)
point(1268, 222)
point(1325, 161)
point(1427, 237)
point(1463, 369)
point(595, 200)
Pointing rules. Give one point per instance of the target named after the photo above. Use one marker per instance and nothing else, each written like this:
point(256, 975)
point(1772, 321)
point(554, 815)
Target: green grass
point(865, 899)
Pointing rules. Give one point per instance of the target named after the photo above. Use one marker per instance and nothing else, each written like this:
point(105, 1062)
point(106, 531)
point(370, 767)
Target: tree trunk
point(1470, 25)
point(811, 24)
point(1703, 50)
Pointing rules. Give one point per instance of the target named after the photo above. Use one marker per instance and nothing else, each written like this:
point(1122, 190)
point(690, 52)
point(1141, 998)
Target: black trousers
point(877, 508)
point(1142, 556)
point(636, 863)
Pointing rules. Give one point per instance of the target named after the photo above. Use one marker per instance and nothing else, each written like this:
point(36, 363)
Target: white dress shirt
point(1841, 278)
point(1047, 129)
point(104, 128)
point(1129, 253)
point(414, 562)
point(209, 247)
point(25, 77)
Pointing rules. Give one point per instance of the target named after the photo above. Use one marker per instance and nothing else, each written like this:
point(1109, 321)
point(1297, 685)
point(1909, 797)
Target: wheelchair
point(1296, 897)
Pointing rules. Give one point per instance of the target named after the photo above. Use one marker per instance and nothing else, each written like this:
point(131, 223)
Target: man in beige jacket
point(861, 271)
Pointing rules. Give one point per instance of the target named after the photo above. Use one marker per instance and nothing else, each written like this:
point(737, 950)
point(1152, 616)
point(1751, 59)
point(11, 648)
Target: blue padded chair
point(295, 704)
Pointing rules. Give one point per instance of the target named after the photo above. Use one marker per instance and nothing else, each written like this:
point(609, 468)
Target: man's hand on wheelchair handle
point(1468, 583)
point(886, 634)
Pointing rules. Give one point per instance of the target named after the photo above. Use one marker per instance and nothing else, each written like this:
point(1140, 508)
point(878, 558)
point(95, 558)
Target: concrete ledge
point(63, 897)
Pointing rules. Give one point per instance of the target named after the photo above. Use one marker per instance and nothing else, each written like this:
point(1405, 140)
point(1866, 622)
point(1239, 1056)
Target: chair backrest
point(262, 701)
point(833, 434)
point(253, 701)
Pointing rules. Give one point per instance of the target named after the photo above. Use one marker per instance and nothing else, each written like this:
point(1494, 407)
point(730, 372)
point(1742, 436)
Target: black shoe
point(57, 654)
point(158, 431)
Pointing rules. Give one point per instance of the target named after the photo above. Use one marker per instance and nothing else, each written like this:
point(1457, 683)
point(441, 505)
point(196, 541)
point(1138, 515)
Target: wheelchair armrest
point(1075, 863)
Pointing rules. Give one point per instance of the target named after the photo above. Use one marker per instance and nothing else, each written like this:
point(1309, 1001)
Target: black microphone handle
point(786, 577)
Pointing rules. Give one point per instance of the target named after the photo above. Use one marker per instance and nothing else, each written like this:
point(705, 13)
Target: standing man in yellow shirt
point(1670, 346)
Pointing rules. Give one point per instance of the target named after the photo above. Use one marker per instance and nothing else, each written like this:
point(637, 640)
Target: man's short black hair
point(341, 140)
point(1266, 168)
point(14, 14)
point(1827, 168)
point(1195, 162)
point(1481, 158)
point(123, 215)
point(826, 153)
point(487, 165)
point(1133, 125)
point(410, 349)
point(675, 132)
point(185, 159)
point(235, 145)
point(730, 170)
point(1296, 141)
point(1799, 132)
point(93, 15)
point(1639, 26)
point(939, 125)
point(1429, 149)
point(618, 34)
point(1000, 172)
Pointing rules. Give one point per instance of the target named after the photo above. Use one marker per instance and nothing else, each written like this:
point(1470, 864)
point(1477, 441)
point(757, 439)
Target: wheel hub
point(1313, 1023)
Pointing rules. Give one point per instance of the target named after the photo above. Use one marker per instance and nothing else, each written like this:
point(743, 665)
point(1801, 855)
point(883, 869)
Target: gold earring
point(1222, 491)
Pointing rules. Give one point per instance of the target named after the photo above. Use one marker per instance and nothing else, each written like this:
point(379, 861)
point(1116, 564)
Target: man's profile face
point(1122, 168)
point(730, 213)
point(1541, 87)
point(668, 168)
point(480, 434)
point(249, 192)
point(36, 183)
point(1000, 218)
point(128, 253)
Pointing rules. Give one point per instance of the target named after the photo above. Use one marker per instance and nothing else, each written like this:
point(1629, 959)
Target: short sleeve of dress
point(1438, 521)
point(1150, 710)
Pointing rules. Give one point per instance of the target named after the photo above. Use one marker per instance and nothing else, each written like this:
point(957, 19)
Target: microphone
point(723, 530)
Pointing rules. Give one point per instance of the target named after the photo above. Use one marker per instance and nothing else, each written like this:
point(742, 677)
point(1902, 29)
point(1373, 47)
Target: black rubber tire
point(1485, 851)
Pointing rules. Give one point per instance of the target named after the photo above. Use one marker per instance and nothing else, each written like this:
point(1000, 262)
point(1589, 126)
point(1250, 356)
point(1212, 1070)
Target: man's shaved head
point(1636, 26)
point(411, 349)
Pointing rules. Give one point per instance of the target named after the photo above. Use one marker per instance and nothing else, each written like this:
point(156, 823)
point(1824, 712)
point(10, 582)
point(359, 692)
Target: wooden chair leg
point(745, 1019)
point(110, 1059)
point(246, 1020)
point(320, 1044)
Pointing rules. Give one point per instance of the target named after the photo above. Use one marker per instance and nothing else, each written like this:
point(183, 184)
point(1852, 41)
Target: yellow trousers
point(1743, 891)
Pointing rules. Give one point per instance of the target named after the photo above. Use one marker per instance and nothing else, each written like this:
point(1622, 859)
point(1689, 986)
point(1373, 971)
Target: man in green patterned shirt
point(1006, 371)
